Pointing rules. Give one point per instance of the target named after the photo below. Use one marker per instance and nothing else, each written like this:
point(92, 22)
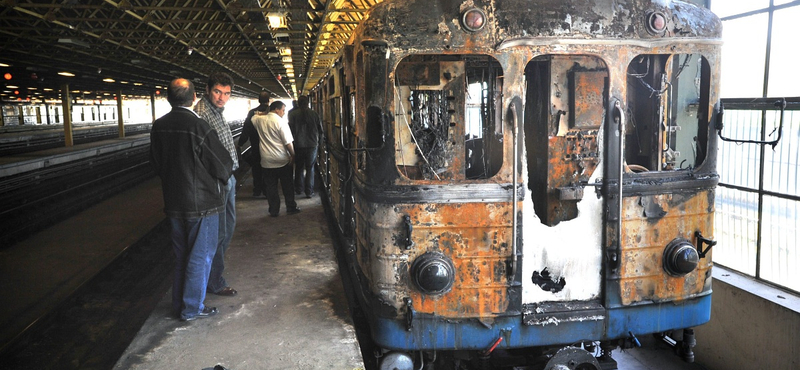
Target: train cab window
point(667, 113)
point(565, 105)
point(448, 124)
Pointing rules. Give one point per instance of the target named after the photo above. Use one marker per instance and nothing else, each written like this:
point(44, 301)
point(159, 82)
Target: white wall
point(753, 326)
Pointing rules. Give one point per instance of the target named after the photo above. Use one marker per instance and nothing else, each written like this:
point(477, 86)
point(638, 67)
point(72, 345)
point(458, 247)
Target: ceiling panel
point(142, 44)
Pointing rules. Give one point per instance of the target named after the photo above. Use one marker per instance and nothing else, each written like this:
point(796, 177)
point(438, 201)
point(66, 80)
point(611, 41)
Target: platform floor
point(290, 312)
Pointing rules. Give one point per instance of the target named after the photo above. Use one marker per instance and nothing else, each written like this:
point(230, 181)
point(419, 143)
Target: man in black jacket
point(194, 167)
point(307, 131)
point(254, 156)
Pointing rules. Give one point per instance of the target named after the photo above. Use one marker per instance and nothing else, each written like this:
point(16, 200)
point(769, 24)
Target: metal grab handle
point(408, 243)
point(719, 125)
point(703, 240)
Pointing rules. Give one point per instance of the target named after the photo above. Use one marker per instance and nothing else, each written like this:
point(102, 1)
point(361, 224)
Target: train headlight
point(473, 19)
point(433, 273)
point(656, 23)
point(680, 257)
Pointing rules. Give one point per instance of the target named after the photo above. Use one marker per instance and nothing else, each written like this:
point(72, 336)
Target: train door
point(562, 213)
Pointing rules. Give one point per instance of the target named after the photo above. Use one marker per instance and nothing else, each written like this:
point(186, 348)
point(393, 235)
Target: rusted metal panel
point(587, 99)
point(649, 223)
point(475, 236)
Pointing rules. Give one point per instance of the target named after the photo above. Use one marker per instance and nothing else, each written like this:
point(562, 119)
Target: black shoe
point(273, 215)
point(206, 312)
point(310, 195)
point(227, 291)
point(293, 211)
point(256, 193)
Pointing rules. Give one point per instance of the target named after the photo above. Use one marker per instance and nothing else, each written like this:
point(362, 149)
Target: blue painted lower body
point(437, 334)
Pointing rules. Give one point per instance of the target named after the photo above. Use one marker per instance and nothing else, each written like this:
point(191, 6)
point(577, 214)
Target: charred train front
point(524, 181)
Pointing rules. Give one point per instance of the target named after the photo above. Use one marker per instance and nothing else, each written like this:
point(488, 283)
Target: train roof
point(441, 24)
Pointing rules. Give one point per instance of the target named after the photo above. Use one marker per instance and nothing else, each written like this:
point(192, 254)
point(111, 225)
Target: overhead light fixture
point(284, 51)
point(286, 59)
point(277, 20)
point(74, 42)
point(66, 74)
point(108, 80)
point(5, 65)
point(189, 50)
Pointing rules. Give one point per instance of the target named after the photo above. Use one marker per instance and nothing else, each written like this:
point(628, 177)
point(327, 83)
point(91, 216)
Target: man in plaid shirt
point(218, 91)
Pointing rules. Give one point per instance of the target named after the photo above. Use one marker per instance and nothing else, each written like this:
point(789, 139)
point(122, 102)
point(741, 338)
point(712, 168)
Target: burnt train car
point(524, 183)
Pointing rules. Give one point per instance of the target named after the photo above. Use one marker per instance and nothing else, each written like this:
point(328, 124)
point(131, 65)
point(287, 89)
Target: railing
point(758, 198)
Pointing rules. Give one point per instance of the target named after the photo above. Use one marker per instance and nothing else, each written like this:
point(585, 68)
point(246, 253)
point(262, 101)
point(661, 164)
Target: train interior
point(434, 95)
point(667, 101)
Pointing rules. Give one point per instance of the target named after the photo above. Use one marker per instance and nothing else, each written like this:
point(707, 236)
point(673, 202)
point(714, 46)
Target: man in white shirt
point(277, 157)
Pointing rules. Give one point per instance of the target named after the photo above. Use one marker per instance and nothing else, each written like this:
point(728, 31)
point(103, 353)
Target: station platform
point(290, 311)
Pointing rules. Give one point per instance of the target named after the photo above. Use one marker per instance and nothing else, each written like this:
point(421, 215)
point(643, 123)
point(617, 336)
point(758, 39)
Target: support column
point(153, 104)
point(120, 120)
point(66, 106)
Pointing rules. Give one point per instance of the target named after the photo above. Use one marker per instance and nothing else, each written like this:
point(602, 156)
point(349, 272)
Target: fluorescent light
point(74, 42)
point(66, 74)
point(277, 20)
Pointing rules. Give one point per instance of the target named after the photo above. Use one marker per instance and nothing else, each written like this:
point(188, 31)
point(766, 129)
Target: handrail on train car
point(751, 104)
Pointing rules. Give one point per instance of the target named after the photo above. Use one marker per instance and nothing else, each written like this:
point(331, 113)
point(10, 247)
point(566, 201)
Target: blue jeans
point(227, 222)
point(194, 241)
point(304, 160)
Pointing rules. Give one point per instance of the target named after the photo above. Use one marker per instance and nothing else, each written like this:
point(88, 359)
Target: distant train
point(524, 183)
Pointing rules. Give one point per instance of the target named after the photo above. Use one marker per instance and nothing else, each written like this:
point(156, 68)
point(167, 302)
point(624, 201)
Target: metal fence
point(758, 200)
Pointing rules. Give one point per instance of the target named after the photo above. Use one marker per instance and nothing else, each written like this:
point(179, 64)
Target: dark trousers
point(304, 161)
point(271, 178)
point(258, 177)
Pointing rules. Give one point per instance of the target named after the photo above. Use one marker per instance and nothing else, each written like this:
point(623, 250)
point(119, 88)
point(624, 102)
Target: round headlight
point(473, 19)
point(680, 257)
point(656, 23)
point(433, 273)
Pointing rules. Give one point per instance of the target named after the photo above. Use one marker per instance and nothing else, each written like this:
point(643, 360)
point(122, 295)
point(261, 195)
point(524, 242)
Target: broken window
point(565, 107)
point(667, 112)
point(448, 124)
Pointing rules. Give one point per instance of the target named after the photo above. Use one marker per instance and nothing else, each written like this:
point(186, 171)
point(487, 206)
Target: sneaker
point(293, 211)
point(206, 312)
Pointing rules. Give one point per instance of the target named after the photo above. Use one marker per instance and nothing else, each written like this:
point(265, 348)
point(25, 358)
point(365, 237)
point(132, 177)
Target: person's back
point(184, 161)
point(305, 125)
point(307, 130)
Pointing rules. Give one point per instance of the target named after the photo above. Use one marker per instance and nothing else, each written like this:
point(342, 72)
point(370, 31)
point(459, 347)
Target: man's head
point(180, 93)
point(263, 97)
point(302, 101)
point(219, 88)
point(278, 107)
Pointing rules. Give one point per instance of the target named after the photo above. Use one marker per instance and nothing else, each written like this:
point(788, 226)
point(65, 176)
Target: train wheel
point(572, 358)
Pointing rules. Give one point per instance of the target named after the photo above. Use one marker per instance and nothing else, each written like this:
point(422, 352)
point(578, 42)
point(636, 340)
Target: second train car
point(524, 183)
